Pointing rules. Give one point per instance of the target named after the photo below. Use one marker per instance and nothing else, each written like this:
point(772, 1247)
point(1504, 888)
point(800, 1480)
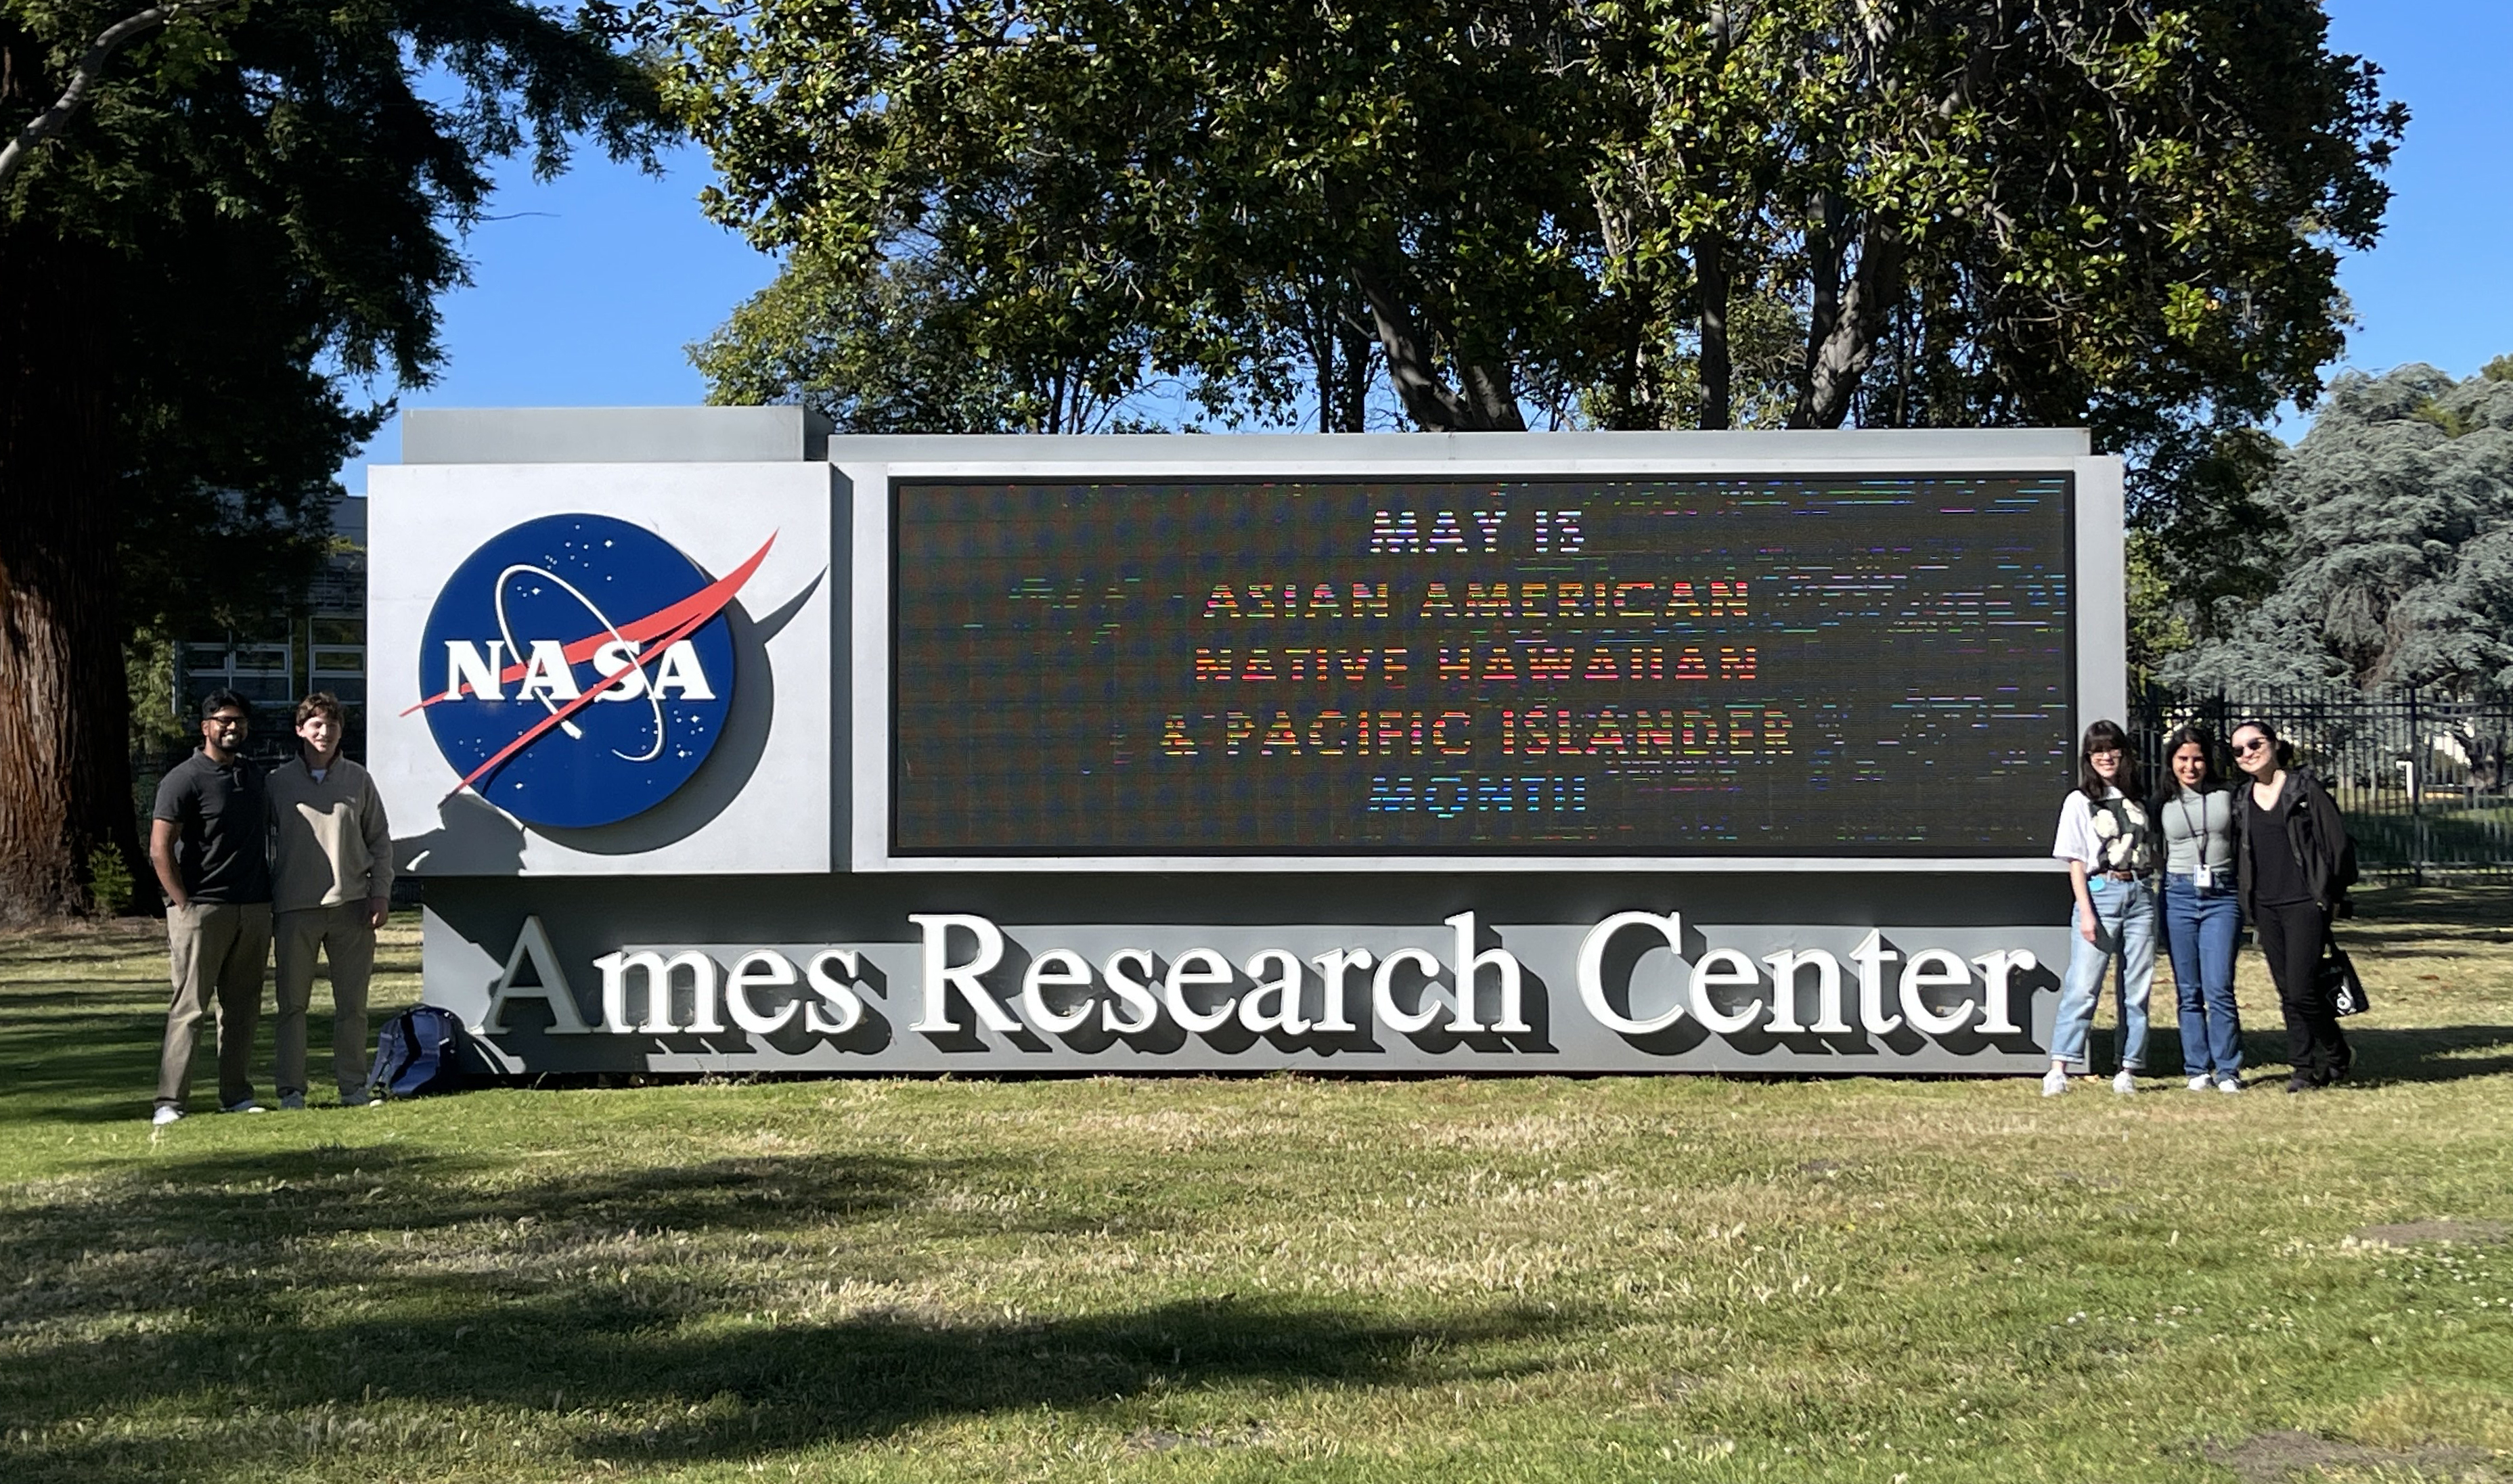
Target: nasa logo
point(577, 669)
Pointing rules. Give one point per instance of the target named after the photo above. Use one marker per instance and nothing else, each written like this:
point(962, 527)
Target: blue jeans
point(2200, 929)
point(2124, 934)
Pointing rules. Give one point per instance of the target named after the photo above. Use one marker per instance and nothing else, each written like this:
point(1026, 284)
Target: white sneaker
point(2230, 1085)
point(248, 1106)
point(2125, 1084)
point(166, 1115)
point(291, 1102)
point(2055, 1082)
point(2202, 1082)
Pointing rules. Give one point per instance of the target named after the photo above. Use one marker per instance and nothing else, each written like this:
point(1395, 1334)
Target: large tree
point(1947, 212)
point(238, 218)
point(2396, 567)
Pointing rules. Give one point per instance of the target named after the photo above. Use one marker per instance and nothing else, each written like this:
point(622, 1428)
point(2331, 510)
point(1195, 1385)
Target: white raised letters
point(1935, 969)
point(1723, 969)
point(942, 976)
point(1198, 969)
point(1592, 970)
point(1054, 969)
point(759, 969)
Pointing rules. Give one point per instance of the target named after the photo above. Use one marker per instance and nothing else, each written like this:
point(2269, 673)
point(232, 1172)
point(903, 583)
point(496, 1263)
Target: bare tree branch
point(83, 78)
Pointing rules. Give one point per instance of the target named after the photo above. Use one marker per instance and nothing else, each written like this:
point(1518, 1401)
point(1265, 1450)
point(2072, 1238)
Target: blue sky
point(585, 290)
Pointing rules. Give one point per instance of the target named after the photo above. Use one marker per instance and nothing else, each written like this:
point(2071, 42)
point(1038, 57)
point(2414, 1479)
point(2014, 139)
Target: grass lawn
point(1679, 1278)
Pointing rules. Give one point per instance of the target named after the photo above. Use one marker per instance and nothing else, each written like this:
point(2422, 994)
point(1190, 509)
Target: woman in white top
point(2107, 839)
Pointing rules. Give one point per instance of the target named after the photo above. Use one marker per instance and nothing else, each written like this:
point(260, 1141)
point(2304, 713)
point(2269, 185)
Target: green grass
point(1681, 1278)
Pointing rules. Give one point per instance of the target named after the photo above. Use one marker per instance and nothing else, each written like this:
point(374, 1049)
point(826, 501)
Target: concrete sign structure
point(724, 747)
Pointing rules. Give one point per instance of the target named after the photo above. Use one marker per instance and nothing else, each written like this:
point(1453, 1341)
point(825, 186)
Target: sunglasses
point(2256, 744)
point(230, 721)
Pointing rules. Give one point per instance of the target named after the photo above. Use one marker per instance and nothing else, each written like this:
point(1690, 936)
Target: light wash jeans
point(2199, 929)
point(2124, 935)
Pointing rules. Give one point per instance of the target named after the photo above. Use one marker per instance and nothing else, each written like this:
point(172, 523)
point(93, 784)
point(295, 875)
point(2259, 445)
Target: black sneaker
point(2300, 1083)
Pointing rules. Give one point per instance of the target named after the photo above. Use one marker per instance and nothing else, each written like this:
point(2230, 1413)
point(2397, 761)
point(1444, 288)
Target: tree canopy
point(2396, 567)
point(251, 215)
point(1609, 213)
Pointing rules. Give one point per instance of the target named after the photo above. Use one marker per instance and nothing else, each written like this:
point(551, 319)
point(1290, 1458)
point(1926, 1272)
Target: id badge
point(2203, 877)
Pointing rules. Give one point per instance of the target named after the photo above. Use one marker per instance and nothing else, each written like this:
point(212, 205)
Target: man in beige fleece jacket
point(331, 875)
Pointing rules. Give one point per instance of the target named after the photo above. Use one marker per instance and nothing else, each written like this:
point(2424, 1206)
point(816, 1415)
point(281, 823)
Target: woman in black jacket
point(2295, 866)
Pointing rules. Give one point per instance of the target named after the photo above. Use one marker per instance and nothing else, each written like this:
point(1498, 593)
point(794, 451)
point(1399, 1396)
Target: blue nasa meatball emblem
point(577, 669)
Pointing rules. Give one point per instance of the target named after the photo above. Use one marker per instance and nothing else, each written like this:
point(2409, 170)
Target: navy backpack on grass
point(419, 1052)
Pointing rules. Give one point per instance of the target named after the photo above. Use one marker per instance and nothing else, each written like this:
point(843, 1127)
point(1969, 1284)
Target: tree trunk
point(1847, 323)
point(1710, 272)
point(64, 739)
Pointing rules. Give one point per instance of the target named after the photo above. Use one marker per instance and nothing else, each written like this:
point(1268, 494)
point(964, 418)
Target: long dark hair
point(2279, 747)
point(2209, 778)
point(2105, 737)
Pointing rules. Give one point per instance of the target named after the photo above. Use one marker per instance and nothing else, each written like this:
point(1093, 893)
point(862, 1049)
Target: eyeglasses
point(230, 721)
point(2256, 744)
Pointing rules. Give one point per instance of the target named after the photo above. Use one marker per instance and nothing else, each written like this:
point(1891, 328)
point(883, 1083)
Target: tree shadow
point(690, 1313)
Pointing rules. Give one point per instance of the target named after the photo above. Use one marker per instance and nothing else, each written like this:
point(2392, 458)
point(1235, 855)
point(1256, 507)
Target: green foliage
point(893, 354)
point(255, 211)
point(2398, 565)
point(1627, 212)
point(2157, 626)
point(2500, 368)
point(109, 882)
point(2442, 416)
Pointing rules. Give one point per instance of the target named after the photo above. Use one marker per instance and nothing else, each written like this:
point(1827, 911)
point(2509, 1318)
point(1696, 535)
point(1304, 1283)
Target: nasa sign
point(1502, 753)
point(585, 668)
point(622, 670)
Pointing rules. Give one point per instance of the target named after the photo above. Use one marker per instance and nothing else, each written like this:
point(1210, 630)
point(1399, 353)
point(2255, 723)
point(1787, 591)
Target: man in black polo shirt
point(210, 842)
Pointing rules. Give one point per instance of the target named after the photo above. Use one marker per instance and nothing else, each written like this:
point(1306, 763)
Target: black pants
point(2291, 937)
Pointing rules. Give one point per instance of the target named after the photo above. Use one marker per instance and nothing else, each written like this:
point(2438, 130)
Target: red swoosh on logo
point(706, 602)
point(691, 611)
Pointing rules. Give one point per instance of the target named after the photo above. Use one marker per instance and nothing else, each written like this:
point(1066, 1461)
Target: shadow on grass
point(623, 1316)
point(2384, 1054)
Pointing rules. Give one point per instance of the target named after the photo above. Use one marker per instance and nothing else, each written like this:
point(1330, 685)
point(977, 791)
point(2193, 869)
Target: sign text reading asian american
point(1628, 666)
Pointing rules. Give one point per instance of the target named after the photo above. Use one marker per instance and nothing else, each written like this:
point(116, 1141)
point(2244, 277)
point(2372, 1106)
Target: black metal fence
point(2420, 777)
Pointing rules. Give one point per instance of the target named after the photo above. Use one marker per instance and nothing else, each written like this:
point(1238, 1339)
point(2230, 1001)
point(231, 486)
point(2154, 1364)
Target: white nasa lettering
point(465, 665)
point(620, 659)
point(547, 674)
point(681, 671)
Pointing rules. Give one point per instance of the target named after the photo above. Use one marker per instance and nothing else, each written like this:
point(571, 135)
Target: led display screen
point(1633, 666)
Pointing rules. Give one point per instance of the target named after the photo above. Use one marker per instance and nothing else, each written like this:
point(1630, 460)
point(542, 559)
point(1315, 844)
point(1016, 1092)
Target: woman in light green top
point(2201, 914)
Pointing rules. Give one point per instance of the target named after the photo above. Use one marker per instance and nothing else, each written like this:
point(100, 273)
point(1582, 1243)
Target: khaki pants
point(216, 950)
point(342, 935)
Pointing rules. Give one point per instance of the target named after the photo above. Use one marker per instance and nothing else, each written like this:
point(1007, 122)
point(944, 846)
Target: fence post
point(2416, 790)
